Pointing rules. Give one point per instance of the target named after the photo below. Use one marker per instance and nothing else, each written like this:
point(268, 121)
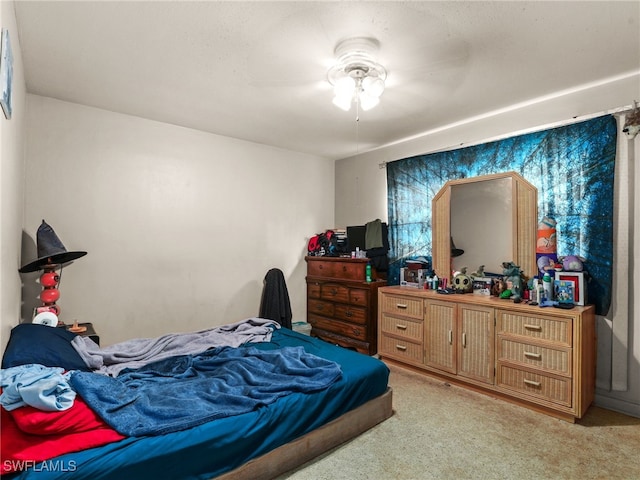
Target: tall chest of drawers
point(342, 307)
point(542, 358)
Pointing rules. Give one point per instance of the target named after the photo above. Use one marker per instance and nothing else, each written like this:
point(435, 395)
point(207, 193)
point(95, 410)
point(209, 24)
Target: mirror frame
point(524, 197)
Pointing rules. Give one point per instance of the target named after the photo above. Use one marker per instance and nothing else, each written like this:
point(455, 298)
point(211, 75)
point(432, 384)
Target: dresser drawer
point(346, 342)
point(557, 330)
point(334, 292)
point(313, 290)
point(351, 271)
point(320, 307)
point(350, 330)
point(359, 296)
point(403, 327)
point(552, 360)
point(401, 349)
point(344, 270)
point(557, 390)
point(405, 306)
point(321, 269)
point(350, 313)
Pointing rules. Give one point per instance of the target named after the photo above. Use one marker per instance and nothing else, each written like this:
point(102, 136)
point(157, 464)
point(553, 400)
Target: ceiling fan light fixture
point(356, 76)
point(344, 87)
point(367, 102)
point(373, 86)
point(343, 102)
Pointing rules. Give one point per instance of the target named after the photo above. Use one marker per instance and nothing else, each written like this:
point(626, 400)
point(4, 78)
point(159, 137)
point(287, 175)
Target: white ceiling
point(257, 70)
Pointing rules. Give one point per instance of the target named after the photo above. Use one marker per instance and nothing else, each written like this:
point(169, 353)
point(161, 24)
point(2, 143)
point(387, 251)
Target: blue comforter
point(188, 390)
point(195, 453)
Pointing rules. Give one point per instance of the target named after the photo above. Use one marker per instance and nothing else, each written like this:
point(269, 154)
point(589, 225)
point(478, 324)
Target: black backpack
point(323, 244)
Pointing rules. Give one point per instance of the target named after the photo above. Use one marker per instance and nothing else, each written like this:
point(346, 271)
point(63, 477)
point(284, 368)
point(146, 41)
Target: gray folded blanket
point(137, 352)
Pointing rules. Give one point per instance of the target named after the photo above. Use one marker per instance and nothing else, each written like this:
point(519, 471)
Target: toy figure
point(479, 272)
point(513, 280)
point(462, 282)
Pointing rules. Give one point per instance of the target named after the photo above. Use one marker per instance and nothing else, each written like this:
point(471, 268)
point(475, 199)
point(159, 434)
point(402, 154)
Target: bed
point(265, 439)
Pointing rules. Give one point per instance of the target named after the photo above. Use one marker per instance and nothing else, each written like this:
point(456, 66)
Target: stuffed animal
point(462, 283)
point(572, 263)
point(497, 287)
point(513, 279)
point(478, 273)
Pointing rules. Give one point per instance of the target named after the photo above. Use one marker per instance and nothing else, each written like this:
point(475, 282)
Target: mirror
point(493, 218)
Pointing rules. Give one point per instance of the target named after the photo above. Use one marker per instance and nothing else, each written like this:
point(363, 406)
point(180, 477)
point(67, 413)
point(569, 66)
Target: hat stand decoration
point(51, 256)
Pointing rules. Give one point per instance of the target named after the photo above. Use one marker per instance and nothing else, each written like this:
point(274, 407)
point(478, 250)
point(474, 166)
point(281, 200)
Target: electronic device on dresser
point(342, 307)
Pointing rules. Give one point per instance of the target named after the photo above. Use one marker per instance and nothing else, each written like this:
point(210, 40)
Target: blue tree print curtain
point(571, 166)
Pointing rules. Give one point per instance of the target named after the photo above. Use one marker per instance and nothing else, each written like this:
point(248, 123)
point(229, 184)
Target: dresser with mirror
point(541, 358)
point(493, 218)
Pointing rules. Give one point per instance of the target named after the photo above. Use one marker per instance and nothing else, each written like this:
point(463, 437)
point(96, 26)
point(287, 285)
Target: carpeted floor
point(446, 432)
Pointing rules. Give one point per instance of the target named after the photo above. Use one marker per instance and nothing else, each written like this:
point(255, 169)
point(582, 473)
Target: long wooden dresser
point(342, 307)
point(542, 358)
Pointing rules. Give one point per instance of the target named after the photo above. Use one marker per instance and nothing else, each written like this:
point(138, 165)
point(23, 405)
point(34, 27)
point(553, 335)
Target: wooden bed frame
point(301, 450)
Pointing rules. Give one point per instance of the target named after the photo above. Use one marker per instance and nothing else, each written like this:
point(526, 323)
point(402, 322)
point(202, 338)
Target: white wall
point(361, 195)
point(180, 226)
point(11, 185)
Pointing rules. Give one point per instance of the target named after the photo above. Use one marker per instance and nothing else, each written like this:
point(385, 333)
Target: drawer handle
point(401, 347)
point(538, 328)
point(402, 306)
point(349, 313)
point(355, 331)
point(334, 291)
point(532, 383)
point(450, 337)
point(537, 356)
point(464, 340)
point(319, 307)
point(401, 327)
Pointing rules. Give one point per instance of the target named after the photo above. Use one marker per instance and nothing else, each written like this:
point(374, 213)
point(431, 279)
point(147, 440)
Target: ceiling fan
point(309, 49)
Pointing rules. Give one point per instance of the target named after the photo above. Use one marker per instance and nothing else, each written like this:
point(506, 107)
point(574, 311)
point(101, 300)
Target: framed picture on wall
point(579, 288)
point(6, 73)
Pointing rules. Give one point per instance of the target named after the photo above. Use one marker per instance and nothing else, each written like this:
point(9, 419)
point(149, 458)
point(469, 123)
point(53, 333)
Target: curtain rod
point(618, 111)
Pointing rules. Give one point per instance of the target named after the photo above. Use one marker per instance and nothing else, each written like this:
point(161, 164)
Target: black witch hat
point(455, 252)
point(51, 251)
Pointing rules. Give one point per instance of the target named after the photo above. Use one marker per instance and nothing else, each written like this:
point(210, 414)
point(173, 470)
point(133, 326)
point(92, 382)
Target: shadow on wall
point(30, 285)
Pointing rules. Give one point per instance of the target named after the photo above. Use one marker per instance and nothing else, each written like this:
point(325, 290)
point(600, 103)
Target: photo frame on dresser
point(579, 288)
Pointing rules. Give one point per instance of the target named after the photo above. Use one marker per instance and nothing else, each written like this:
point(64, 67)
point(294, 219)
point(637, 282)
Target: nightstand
point(89, 332)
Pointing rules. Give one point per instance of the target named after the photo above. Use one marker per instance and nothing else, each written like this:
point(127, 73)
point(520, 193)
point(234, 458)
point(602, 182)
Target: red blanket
point(29, 435)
